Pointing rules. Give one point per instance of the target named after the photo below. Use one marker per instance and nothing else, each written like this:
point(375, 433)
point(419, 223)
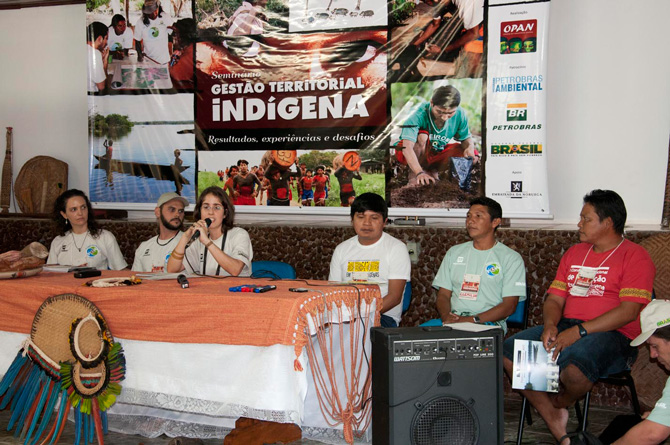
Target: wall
point(608, 98)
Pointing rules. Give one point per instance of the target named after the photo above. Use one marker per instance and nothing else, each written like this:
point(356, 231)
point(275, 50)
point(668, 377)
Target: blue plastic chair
point(406, 296)
point(519, 319)
point(272, 269)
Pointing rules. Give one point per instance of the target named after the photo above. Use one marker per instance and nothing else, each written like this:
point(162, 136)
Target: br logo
point(91, 251)
point(516, 112)
point(492, 269)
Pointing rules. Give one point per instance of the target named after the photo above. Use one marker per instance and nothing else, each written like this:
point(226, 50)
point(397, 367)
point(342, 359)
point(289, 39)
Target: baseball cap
point(655, 316)
point(165, 197)
point(150, 6)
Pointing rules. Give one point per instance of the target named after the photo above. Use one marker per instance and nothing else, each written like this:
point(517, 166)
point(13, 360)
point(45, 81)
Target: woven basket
point(39, 182)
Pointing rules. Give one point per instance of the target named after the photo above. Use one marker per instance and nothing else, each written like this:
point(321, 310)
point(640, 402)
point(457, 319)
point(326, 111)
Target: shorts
point(307, 194)
point(345, 197)
point(434, 157)
point(321, 195)
point(245, 201)
point(597, 355)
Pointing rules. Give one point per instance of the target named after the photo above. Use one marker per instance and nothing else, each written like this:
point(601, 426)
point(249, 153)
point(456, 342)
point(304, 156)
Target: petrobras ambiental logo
point(506, 84)
point(516, 150)
point(518, 37)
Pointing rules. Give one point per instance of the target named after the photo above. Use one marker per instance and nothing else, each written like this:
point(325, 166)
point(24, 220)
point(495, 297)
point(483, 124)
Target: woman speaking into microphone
point(212, 246)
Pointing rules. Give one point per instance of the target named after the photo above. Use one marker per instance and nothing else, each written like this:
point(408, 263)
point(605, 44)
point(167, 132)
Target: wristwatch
point(476, 319)
point(582, 331)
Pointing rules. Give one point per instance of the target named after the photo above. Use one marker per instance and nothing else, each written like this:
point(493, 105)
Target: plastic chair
point(407, 296)
point(272, 269)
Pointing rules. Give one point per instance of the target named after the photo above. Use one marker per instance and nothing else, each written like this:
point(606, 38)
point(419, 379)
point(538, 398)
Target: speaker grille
point(445, 421)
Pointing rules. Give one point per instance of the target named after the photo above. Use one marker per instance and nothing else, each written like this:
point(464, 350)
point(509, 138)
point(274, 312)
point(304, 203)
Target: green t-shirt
point(501, 270)
point(661, 412)
point(421, 121)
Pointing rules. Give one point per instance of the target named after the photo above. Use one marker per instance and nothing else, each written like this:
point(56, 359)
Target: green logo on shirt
point(492, 269)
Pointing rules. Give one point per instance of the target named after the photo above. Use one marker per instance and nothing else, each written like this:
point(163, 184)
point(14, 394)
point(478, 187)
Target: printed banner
point(310, 103)
point(516, 162)
point(141, 119)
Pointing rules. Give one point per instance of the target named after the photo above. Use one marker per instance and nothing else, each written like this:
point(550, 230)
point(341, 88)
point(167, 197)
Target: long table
point(199, 358)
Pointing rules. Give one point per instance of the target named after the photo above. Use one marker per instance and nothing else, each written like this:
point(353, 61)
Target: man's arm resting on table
point(646, 432)
point(394, 296)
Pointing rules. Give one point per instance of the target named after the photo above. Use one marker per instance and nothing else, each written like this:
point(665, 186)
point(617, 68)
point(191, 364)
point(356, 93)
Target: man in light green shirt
point(655, 323)
point(482, 280)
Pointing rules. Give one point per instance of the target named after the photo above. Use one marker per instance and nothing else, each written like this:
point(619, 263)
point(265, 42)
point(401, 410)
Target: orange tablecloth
point(206, 312)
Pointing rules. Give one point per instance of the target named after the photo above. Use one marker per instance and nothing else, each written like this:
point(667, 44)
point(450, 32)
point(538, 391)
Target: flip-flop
point(567, 436)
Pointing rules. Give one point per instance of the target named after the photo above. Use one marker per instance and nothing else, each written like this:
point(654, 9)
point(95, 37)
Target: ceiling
point(18, 4)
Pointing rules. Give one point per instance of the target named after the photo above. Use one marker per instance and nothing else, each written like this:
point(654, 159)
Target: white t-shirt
point(124, 41)
point(153, 254)
point(78, 249)
point(385, 260)
point(471, 11)
point(96, 70)
point(154, 38)
point(238, 246)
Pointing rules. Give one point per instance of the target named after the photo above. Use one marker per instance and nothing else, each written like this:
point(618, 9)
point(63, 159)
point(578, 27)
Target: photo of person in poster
point(138, 151)
point(144, 47)
point(442, 39)
point(436, 138)
point(329, 178)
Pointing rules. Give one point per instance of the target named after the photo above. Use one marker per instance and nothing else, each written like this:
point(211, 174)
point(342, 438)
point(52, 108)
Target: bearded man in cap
point(153, 254)
point(655, 322)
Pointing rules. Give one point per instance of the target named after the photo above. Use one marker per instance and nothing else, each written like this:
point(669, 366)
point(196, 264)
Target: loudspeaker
point(437, 385)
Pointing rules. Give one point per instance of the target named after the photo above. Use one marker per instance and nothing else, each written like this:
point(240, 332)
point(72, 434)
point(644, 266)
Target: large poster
point(516, 108)
point(141, 118)
point(291, 104)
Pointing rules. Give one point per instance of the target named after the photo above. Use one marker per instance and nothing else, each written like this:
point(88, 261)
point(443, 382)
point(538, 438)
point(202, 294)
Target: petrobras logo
point(518, 37)
point(516, 150)
point(516, 115)
point(517, 112)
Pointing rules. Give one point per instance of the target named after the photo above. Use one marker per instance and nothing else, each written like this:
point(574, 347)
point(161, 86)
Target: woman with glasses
point(218, 248)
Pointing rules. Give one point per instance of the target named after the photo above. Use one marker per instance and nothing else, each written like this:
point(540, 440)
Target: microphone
point(181, 279)
point(196, 234)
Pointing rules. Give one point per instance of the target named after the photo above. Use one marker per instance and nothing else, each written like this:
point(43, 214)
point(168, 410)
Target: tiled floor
point(537, 433)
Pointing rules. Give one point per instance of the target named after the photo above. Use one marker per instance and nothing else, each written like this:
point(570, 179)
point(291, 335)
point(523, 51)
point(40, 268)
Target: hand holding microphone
point(196, 234)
